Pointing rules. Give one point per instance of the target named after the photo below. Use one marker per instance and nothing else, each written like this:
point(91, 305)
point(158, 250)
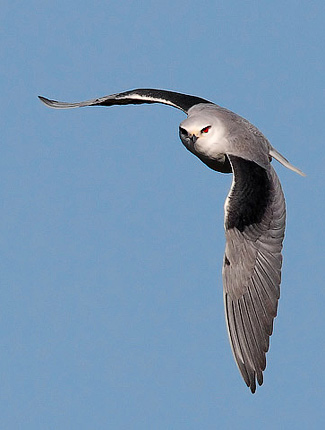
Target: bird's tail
point(281, 159)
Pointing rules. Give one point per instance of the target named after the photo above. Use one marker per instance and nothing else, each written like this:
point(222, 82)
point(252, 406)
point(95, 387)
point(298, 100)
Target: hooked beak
point(193, 138)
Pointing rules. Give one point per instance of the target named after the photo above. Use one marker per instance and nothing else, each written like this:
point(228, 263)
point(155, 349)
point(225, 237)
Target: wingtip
point(60, 105)
point(252, 387)
point(46, 101)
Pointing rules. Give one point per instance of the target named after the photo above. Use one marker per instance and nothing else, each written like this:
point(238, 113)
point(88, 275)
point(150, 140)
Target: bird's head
point(204, 135)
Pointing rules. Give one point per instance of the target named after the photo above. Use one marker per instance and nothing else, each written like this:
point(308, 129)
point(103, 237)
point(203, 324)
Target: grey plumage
point(254, 214)
point(252, 285)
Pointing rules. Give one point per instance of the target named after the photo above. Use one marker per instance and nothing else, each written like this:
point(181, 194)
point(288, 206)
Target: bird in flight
point(254, 219)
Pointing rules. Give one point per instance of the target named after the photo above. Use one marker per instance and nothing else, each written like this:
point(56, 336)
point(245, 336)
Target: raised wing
point(255, 224)
point(178, 100)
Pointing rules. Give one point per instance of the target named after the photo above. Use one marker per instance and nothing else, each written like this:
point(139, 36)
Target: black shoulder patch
point(152, 95)
point(250, 195)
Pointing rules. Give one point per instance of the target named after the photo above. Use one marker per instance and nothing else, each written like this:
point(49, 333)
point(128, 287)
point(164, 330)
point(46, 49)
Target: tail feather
point(281, 159)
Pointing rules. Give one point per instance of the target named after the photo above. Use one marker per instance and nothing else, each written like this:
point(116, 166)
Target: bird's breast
point(211, 148)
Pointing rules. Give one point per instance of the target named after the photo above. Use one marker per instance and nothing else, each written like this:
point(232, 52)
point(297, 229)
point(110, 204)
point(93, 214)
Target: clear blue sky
point(111, 310)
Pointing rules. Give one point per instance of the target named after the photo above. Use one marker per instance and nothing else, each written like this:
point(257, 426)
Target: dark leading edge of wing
point(255, 223)
point(180, 101)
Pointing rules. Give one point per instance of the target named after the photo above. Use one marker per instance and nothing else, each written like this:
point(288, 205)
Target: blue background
point(111, 310)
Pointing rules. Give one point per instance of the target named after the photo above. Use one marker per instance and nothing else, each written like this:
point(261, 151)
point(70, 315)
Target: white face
point(204, 135)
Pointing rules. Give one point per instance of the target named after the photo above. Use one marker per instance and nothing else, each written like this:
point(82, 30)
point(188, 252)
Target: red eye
point(206, 129)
